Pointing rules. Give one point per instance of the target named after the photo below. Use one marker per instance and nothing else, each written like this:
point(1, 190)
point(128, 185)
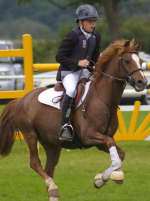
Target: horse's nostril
point(141, 82)
point(140, 85)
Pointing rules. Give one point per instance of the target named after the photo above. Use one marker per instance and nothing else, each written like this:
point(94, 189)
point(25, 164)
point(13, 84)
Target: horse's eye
point(126, 61)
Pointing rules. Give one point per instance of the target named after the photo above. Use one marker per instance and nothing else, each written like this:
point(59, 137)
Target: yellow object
point(148, 65)
point(134, 117)
point(143, 125)
point(122, 127)
point(46, 67)
point(133, 133)
point(28, 62)
point(26, 54)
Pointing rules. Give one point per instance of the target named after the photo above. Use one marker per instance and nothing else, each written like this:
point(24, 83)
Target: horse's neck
point(108, 90)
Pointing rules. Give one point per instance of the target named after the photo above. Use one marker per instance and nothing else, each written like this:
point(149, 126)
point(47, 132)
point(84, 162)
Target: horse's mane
point(117, 47)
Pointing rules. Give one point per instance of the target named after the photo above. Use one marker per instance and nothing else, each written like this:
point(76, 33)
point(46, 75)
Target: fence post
point(28, 62)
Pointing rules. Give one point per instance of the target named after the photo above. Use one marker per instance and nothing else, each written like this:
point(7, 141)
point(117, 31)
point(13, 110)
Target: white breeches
point(71, 80)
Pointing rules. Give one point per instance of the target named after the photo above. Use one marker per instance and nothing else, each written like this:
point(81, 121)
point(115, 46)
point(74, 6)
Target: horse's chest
point(98, 117)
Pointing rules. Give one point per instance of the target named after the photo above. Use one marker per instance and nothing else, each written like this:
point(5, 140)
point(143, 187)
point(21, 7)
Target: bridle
point(128, 77)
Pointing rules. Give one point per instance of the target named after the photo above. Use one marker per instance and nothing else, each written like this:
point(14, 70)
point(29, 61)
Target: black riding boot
point(66, 133)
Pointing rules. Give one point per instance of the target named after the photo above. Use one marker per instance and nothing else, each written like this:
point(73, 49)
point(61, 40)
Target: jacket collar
point(87, 35)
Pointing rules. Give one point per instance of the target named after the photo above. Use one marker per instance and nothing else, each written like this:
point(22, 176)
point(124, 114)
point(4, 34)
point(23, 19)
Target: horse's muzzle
point(140, 85)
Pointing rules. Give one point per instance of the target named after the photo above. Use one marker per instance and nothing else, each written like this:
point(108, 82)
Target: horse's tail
point(7, 128)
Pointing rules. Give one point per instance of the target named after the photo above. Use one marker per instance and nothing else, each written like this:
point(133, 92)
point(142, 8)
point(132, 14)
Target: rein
point(113, 77)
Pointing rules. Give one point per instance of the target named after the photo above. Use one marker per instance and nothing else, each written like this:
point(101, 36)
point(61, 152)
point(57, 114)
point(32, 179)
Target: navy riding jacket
point(75, 47)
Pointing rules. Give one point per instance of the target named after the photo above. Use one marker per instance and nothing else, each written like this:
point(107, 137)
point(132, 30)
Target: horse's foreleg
point(96, 138)
point(52, 154)
point(116, 155)
point(116, 176)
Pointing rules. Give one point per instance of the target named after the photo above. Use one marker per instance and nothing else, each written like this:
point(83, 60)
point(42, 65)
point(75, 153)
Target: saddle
point(80, 89)
point(52, 96)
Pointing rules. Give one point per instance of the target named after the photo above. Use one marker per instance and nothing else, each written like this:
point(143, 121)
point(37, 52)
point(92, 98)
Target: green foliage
point(44, 50)
point(24, 25)
point(23, 1)
point(48, 23)
point(63, 30)
point(133, 27)
point(102, 28)
point(138, 28)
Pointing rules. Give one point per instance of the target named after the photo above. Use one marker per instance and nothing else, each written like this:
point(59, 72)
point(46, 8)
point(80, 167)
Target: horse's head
point(130, 65)
point(120, 61)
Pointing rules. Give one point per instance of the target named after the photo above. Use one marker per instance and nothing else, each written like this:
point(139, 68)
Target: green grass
point(74, 175)
point(127, 116)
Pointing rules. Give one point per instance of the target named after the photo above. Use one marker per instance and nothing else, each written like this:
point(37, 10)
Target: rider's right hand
point(84, 63)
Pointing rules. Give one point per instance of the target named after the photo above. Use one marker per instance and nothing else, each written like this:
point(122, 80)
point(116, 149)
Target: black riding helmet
point(86, 11)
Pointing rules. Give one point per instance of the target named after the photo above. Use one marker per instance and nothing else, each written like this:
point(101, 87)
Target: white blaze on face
point(137, 61)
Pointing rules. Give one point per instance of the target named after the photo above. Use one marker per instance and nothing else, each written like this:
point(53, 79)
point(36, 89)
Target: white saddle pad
point(52, 97)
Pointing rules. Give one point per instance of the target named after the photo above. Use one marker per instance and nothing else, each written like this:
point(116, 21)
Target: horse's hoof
point(98, 181)
point(117, 176)
point(53, 199)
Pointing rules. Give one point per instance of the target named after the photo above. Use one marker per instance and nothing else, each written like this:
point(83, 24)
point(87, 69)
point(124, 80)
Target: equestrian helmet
point(86, 11)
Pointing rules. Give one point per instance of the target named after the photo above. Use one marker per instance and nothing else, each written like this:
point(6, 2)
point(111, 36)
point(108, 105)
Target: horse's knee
point(109, 141)
point(97, 139)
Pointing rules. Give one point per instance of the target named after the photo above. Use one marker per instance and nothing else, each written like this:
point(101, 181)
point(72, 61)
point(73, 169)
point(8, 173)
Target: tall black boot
point(66, 133)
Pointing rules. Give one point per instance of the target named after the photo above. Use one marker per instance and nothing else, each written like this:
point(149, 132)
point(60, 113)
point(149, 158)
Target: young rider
point(79, 47)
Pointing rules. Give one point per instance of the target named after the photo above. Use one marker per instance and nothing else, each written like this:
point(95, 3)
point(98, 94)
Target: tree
point(112, 15)
point(111, 9)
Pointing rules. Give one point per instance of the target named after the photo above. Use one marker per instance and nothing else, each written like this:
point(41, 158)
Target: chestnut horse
point(95, 126)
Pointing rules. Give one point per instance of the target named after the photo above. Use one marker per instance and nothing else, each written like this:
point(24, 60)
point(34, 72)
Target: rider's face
point(88, 25)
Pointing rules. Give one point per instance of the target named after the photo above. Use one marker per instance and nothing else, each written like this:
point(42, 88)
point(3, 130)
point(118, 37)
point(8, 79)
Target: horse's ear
point(137, 46)
point(134, 45)
point(127, 43)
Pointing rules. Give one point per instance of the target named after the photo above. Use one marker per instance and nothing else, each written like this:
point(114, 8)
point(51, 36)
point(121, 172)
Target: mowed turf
point(74, 175)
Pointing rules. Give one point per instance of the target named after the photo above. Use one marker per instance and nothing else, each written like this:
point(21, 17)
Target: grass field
point(75, 173)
